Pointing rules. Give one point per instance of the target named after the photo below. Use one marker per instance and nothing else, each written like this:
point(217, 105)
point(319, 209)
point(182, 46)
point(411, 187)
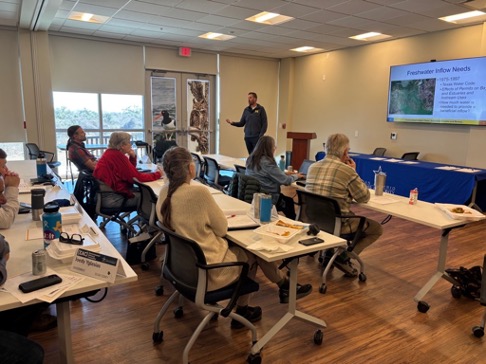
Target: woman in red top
point(116, 172)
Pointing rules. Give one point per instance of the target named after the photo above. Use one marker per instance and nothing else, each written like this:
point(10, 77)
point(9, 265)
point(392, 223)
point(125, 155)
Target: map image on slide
point(412, 97)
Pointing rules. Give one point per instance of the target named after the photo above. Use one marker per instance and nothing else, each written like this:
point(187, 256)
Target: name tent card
point(95, 265)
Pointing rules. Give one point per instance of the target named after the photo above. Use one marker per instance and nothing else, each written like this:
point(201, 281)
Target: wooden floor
point(372, 322)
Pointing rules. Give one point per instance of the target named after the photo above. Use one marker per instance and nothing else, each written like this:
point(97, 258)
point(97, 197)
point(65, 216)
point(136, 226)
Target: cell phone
point(39, 283)
point(311, 241)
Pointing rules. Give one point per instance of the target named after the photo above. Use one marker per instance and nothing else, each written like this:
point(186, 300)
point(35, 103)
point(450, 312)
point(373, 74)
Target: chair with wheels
point(144, 146)
point(190, 282)
point(326, 214)
point(160, 148)
point(478, 331)
point(410, 156)
point(34, 152)
point(147, 214)
point(213, 176)
point(379, 152)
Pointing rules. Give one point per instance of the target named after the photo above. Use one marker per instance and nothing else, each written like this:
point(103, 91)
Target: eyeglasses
point(75, 239)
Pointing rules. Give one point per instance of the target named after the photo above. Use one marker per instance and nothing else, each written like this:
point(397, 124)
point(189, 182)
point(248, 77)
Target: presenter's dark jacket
point(254, 121)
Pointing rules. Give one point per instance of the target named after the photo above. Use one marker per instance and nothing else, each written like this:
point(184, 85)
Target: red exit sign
point(184, 51)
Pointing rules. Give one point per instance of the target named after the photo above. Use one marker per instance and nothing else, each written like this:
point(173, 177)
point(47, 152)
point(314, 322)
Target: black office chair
point(240, 169)
point(160, 148)
point(379, 152)
point(147, 219)
point(478, 331)
point(410, 156)
point(144, 145)
point(200, 167)
point(34, 152)
point(213, 176)
point(190, 281)
point(326, 213)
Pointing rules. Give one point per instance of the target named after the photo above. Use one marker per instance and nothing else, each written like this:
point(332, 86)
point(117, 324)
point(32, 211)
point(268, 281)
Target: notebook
point(239, 220)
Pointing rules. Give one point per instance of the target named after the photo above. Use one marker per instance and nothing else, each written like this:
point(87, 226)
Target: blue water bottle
point(281, 163)
point(265, 208)
point(41, 165)
point(51, 223)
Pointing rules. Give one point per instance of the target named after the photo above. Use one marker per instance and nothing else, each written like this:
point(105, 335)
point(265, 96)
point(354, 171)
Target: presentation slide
point(449, 92)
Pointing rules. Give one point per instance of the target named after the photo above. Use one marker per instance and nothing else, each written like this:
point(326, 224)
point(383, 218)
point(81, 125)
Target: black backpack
point(469, 281)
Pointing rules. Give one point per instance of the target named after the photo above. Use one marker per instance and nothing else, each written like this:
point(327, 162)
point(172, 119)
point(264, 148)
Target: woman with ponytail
point(191, 211)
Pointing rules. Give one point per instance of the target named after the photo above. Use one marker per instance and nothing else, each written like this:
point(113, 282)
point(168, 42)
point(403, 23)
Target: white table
point(20, 261)
point(246, 237)
point(427, 214)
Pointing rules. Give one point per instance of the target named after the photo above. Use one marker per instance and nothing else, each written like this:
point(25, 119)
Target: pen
point(93, 231)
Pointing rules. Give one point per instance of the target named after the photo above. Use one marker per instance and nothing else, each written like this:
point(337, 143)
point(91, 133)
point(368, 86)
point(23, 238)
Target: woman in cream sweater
point(191, 211)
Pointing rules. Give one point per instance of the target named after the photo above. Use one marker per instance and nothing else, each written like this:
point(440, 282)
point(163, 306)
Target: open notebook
point(239, 219)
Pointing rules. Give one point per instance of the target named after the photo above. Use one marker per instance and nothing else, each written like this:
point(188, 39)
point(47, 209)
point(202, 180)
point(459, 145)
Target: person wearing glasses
point(117, 168)
point(208, 225)
point(261, 165)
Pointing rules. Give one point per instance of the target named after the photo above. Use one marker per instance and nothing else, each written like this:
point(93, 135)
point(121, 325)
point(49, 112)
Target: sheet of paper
point(272, 247)
point(34, 233)
point(378, 158)
point(447, 168)
point(393, 160)
point(409, 162)
point(383, 200)
point(468, 170)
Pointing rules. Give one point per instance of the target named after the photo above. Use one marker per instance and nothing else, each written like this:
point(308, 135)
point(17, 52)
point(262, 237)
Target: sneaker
point(302, 291)
point(44, 322)
point(252, 314)
point(347, 267)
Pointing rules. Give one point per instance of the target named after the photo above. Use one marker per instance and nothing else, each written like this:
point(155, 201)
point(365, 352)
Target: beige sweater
point(196, 215)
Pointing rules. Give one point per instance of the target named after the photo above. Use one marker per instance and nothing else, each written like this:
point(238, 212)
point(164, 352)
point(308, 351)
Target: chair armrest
point(46, 153)
point(359, 231)
point(236, 292)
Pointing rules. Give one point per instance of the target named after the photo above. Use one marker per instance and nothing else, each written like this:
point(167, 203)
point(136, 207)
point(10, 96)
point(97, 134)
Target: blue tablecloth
point(433, 184)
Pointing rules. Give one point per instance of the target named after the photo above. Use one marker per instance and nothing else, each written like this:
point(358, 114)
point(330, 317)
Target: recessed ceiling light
point(468, 17)
point(306, 49)
point(87, 17)
point(269, 18)
point(216, 36)
point(370, 36)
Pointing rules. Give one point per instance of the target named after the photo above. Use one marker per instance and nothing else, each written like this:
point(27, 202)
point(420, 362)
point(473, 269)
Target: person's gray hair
point(118, 139)
point(337, 144)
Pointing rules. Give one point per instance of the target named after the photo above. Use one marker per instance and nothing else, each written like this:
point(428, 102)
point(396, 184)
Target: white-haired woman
point(117, 169)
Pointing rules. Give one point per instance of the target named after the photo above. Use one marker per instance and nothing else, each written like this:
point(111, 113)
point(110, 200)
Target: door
point(182, 109)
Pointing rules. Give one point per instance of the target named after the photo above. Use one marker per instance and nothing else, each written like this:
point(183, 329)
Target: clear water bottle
point(51, 223)
point(281, 163)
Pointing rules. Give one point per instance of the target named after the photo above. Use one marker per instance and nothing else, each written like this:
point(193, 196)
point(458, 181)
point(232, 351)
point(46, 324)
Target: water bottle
point(380, 182)
point(41, 165)
point(51, 223)
point(37, 203)
point(281, 163)
point(265, 208)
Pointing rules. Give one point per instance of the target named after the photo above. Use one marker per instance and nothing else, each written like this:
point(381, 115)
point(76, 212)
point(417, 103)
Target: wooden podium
point(300, 147)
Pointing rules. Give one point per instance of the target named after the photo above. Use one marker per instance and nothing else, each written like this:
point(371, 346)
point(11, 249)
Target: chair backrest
point(184, 277)
point(85, 192)
point(147, 209)
point(211, 174)
point(320, 155)
point(320, 210)
point(33, 150)
point(410, 156)
point(161, 147)
point(380, 152)
point(200, 165)
point(240, 169)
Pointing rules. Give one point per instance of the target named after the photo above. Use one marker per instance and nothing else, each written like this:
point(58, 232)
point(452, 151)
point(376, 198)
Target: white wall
point(353, 98)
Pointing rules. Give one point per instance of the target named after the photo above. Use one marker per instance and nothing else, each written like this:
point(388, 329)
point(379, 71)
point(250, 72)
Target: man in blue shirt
point(254, 119)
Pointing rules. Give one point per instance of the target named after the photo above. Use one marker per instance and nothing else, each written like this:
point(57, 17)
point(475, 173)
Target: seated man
point(82, 158)
point(335, 177)
point(9, 193)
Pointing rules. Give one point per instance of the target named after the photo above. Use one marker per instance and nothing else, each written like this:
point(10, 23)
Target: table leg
point(64, 332)
point(291, 312)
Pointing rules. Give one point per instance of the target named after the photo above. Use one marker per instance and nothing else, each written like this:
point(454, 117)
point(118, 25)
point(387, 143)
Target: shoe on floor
point(44, 322)
point(302, 291)
point(252, 314)
point(347, 267)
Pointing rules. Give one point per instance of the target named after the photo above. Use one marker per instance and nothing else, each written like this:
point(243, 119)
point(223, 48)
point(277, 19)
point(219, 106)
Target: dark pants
point(19, 320)
point(251, 143)
point(17, 349)
point(287, 206)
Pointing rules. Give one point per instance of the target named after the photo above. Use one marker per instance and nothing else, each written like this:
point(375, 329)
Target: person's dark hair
point(70, 132)
point(263, 149)
point(175, 163)
point(3, 155)
point(253, 94)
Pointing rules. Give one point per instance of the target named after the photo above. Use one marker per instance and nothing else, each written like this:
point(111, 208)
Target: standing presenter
point(254, 119)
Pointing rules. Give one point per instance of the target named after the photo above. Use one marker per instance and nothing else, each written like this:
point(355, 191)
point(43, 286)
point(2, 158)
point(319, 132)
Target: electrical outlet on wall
point(393, 135)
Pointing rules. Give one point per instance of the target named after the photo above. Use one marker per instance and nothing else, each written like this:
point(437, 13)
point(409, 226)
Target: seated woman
point(261, 165)
point(116, 171)
point(208, 226)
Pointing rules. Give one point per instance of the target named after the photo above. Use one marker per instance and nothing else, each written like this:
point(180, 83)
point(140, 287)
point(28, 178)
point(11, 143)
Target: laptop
point(304, 168)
